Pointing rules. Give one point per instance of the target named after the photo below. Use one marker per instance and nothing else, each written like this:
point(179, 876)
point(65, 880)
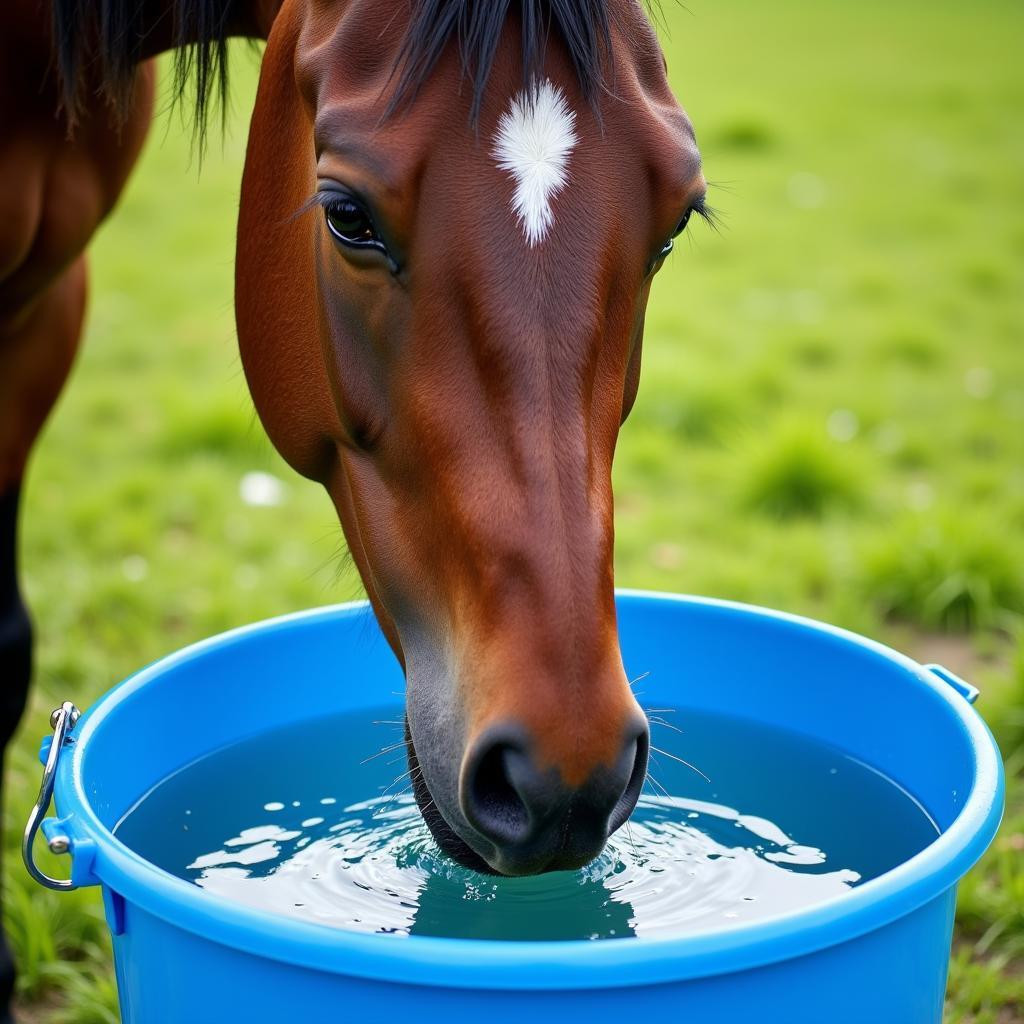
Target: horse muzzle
point(530, 818)
point(514, 815)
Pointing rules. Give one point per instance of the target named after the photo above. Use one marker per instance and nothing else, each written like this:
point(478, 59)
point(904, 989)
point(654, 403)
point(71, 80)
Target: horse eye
point(350, 223)
point(681, 226)
point(670, 244)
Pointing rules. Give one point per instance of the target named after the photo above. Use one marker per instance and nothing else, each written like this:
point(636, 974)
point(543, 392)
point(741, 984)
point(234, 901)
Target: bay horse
point(451, 215)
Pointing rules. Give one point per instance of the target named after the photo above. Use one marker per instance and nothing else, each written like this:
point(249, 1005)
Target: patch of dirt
point(958, 653)
point(36, 1013)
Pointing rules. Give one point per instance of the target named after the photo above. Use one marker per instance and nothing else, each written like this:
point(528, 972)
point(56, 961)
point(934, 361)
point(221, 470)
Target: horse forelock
point(584, 26)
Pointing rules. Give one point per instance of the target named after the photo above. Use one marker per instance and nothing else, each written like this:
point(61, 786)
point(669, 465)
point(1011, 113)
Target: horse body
point(440, 306)
point(55, 191)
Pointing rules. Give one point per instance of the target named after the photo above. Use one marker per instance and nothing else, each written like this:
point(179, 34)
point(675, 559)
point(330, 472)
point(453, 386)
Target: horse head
point(447, 237)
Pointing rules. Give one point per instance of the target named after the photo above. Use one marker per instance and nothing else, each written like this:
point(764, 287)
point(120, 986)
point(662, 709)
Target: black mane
point(98, 45)
point(584, 26)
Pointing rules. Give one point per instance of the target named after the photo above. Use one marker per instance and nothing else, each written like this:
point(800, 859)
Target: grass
point(947, 569)
point(797, 471)
point(831, 417)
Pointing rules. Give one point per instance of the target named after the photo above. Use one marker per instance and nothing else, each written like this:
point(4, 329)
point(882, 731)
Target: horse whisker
point(629, 835)
point(380, 810)
point(681, 761)
point(633, 682)
point(396, 795)
point(384, 750)
point(661, 721)
point(654, 782)
point(399, 779)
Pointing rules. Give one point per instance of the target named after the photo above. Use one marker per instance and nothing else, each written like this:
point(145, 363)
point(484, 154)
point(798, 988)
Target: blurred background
point(830, 421)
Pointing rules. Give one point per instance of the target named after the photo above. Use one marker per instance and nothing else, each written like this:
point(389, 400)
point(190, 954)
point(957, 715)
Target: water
point(297, 822)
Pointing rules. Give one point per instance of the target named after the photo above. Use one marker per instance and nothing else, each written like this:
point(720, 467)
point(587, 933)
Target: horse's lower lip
point(480, 854)
point(518, 865)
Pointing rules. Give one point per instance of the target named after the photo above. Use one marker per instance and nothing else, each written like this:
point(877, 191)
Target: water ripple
point(681, 866)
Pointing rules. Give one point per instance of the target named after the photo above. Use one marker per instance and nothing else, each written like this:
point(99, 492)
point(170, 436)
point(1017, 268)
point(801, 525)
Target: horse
point(451, 215)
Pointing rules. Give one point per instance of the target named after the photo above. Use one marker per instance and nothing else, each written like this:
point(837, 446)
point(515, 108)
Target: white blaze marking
point(534, 139)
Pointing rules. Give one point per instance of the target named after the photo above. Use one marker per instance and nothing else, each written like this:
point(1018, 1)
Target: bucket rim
point(547, 964)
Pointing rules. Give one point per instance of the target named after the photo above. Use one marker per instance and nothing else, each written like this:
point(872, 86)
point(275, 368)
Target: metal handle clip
point(62, 721)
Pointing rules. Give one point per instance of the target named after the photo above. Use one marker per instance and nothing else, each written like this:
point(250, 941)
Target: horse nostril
point(492, 803)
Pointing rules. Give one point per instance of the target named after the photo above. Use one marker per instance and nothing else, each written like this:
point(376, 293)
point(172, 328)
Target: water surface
point(299, 822)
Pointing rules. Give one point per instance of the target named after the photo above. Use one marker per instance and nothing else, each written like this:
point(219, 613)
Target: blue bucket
point(879, 952)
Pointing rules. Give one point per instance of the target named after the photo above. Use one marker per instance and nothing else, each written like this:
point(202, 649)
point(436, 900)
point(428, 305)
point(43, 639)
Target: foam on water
point(293, 823)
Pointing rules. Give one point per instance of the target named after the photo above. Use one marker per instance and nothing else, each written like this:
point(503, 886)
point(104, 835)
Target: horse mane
point(98, 45)
point(584, 27)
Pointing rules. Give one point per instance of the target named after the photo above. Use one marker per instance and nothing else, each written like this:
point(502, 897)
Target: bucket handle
point(968, 692)
point(62, 721)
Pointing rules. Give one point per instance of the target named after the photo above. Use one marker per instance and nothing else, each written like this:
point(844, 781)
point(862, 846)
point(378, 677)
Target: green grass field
point(831, 419)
